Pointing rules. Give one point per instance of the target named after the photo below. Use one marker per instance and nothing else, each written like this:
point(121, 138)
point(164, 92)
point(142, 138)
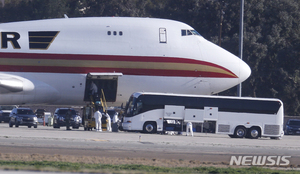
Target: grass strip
point(128, 168)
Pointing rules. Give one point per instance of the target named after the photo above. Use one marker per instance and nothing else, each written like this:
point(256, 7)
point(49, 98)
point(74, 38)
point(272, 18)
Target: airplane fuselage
point(48, 61)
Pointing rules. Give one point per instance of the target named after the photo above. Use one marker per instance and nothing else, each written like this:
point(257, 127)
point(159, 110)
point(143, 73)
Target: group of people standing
point(98, 116)
point(99, 113)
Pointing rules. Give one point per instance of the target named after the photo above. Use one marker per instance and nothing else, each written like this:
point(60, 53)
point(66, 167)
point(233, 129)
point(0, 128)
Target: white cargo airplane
point(57, 61)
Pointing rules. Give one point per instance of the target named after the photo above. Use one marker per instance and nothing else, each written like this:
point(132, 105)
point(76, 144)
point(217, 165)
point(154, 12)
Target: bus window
point(137, 109)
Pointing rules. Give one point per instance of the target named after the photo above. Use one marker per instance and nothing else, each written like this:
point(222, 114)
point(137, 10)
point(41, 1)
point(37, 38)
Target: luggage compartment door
point(211, 113)
point(174, 112)
point(96, 82)
point(194, 115)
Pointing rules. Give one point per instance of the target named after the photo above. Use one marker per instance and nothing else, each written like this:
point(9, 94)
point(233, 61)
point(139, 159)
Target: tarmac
point(204, 147)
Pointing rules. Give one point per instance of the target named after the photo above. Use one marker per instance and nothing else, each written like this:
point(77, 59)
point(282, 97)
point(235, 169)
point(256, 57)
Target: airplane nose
point(245, 71)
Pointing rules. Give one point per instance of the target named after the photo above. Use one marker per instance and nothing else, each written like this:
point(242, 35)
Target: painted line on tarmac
point(98, 140)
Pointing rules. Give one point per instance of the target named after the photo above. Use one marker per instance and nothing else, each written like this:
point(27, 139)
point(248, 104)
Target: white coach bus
point(236, 116)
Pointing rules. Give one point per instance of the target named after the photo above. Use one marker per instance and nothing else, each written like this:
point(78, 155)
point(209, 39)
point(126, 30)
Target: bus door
point(210, 118)
point(98, 82)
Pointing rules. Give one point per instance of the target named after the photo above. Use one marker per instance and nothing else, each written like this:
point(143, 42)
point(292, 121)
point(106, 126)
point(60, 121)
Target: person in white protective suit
point(108, 122)
point(98, 116)
point(115, 118)
point(189, 127)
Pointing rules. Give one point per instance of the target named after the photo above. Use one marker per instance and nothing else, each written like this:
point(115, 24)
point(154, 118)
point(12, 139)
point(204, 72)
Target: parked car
point(40, 112)
point(4, 113)
point(292, 127)
point(22, 117)
point(60, 115)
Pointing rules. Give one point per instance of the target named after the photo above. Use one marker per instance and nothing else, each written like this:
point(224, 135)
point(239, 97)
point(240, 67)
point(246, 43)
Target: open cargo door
point(95, 82)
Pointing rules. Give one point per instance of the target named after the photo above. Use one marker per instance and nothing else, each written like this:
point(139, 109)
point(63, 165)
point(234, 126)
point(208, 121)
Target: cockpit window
point(195, 32)
point(189, 32)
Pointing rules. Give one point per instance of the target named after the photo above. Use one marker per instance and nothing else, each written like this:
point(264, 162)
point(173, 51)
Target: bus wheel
point(240, 132)
point(254, 133)
point(149, 127)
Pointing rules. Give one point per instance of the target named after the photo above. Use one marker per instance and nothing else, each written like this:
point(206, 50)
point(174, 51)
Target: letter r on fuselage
point(11, 37)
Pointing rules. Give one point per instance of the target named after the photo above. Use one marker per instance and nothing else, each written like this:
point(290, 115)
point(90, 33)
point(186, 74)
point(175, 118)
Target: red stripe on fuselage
point(135, 71)
point(146, 72)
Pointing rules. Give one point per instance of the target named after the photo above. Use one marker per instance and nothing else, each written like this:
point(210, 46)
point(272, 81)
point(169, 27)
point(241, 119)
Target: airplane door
point(96, 82)
point(162, 35)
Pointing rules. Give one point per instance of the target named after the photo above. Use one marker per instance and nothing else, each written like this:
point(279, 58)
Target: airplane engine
point(16, 90)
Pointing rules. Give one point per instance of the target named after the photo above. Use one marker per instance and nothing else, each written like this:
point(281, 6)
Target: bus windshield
point(133, 107)
point(129, 107)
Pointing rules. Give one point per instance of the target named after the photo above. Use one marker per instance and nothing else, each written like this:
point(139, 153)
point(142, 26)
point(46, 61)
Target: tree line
point(271, 33)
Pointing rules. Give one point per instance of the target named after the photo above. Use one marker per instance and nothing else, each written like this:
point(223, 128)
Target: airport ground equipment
point(96, 98)
point(88, 120)
point(238, 117)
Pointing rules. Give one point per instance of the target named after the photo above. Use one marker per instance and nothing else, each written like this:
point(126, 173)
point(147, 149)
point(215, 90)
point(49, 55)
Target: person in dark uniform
point(68, 117)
